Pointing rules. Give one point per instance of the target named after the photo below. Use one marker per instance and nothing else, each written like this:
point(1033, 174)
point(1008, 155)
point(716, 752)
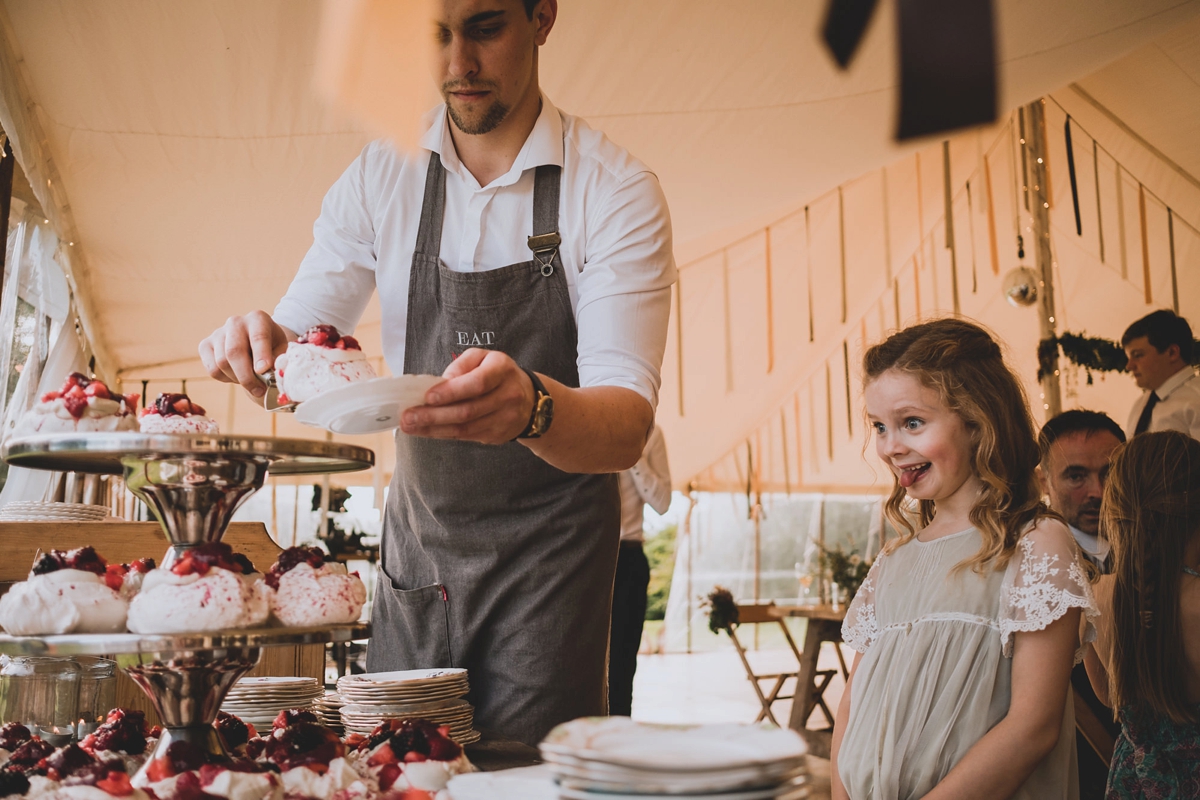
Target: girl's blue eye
point(879, 428)
point(912, 423)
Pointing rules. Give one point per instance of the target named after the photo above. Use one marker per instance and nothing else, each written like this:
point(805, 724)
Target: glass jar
point(41, 693)
point(97, 692)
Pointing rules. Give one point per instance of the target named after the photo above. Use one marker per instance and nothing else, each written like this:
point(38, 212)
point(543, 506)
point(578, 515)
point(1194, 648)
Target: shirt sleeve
point(624, 287)
point(652, 475)
point(337, 276)
point(1045, 579)
point(860, 628)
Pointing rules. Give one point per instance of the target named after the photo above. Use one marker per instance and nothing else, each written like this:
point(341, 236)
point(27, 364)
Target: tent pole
point(1040, 209)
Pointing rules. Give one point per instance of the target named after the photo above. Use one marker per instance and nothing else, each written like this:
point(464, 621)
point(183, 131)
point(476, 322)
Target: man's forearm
point(597, 429)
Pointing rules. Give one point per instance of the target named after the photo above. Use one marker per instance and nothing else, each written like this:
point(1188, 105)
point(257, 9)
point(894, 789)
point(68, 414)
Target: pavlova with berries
point(175, 414)
point(306, 590)
point(75, 591)
point(83, 404)
point(209, 588)
point(320, 360)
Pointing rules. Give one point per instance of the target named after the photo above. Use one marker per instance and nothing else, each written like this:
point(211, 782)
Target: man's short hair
point(1076, 421)
point(529, 6)
point(1162, 328)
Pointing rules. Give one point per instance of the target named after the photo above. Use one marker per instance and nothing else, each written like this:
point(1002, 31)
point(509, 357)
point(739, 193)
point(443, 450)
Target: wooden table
point(824, 625)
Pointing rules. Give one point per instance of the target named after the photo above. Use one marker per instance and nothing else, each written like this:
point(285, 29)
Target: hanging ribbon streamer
point(846, 376)
point(679, 335)
point(799, 440)
point(1071, 171)
point(749, 480)
point(920, 207)
point(933, 274)
point(948, 202)
point(1174, 277)
point(896, 299)
point(971, 234)
point(917, 286)
point(1046, 157)
point(1145, 244)
point(812, 425)
point(808, 274)
point(993, 244)
point(1099, 215)
point(787, 466)
point(1024, 159)
point(770, 302)
point(829, 409)
point(1121, 223)
point(728, 323)
point(842, 245)
point(887, 231)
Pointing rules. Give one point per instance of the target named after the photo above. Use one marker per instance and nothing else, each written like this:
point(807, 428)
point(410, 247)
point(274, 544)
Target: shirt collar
point(1092, 545)
point(1174, 382)
point(543, 146)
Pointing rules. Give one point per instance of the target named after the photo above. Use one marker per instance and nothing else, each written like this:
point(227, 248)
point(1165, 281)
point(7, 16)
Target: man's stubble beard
point(488, 122)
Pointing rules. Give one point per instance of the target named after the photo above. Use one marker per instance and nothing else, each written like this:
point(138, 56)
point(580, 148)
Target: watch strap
point(539, 391)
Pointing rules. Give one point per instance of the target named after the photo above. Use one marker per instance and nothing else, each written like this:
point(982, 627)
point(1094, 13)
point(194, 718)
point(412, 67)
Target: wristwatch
point(542, 413)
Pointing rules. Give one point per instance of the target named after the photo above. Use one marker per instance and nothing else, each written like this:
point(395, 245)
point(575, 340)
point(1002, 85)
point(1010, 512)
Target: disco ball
point(1021, 287)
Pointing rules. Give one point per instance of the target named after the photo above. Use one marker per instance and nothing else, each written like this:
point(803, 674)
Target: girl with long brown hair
point(1146, 660)
point(968, 623)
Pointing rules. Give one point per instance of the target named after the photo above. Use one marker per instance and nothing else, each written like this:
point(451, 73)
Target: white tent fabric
point(181, 153)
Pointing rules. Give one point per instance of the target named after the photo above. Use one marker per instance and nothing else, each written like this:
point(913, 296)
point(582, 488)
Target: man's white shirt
point(1094, 548)
point(616, 243)
point(648, 482)
point(1178, 406)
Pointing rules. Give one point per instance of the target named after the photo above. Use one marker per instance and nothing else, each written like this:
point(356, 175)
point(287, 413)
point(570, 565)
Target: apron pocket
point(410, 628)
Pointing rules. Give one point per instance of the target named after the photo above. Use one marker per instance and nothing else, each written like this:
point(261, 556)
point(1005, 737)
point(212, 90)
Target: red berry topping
point(114, 576)
point(293, 716)
point(27, 757)
point(350, 343)
point(83, 558)
point(13, 735)
point(413, 736)
point(199, 560)
point(78, 388)
point(320, 335)
point(293, 557)
point(142, 565)
point(13, 782)
point(66, 762)
point(168, 405)
point(76, 405)
point(123, 731)
point(97, 389)
point(233, 731)
point(304, 744)
point(116, 783)
point(387, 776)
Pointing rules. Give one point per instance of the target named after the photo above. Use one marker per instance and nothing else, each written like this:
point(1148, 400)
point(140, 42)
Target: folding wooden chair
point(756, 614)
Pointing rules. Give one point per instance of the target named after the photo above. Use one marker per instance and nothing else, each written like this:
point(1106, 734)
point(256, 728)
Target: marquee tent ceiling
point(188, 154)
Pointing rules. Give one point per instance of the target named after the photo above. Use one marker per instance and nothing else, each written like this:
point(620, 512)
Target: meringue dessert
point(67, 592)
point(185, 772)
point(175, 413)
point(319, 361)
point(311, 759)
point(210, 588)
point(126, 579)
point(308, 591)
point(414, 754)
point(83, 404)
point(124, 736)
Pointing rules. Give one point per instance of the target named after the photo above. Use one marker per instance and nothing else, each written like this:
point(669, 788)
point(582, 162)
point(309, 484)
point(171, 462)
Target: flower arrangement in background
point(847, 570)
point(722, 610)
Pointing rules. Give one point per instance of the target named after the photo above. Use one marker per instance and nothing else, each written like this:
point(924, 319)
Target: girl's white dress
point(936, 670)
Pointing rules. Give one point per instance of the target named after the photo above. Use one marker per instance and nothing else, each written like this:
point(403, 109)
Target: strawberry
point(412, 757)
point(50, 397)
point(182, 406)
point(114, 576)
point(75, 405)
point(387, 776)
point(131, 400)
point(382, 755)
point(341, 344)
point(97, 389)
point(117, 783)
point(350, 343)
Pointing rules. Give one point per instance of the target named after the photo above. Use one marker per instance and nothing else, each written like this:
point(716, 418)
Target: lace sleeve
point(1044, 580)
point(860, 628)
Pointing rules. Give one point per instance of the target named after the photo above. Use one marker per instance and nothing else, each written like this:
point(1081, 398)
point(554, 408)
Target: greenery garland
point(1093, 353)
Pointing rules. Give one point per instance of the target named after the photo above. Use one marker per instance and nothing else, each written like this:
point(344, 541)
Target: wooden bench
point(123, 542)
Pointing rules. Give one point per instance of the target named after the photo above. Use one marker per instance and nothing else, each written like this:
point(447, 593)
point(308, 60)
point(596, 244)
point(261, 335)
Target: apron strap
point(545, 239)
point(429, 234)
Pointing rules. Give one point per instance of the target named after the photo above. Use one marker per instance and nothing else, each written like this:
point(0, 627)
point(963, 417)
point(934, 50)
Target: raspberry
point(49, 562)
point(97, 389)
point(14, 734)
point(75, 405)
point(291, 558)
point(87, 559)
point(66, 762)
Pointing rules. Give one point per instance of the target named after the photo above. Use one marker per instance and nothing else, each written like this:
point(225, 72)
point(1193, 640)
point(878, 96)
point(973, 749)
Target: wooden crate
point(127, 541)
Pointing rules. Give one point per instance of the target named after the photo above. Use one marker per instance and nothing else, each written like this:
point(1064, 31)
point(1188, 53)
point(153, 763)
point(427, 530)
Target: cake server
point(270, 400)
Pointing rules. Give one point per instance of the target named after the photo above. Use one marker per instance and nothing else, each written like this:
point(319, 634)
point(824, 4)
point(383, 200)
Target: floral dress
point(1154, 758)
point(936, 672)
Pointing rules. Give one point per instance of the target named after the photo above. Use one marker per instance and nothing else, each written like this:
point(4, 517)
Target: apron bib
point(492, 559)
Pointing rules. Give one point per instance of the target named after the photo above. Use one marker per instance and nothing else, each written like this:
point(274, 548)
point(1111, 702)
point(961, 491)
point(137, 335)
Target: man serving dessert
point(527, 260)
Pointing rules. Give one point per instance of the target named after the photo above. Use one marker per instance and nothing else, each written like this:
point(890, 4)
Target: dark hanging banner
point(845, 23)
point(947, 65)
point(1071, 169)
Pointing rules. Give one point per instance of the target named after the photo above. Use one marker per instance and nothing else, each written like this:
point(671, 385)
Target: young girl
point(1146, 661)
point(967, 626)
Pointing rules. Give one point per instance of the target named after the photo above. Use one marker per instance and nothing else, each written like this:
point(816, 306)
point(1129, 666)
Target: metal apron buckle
point(545, 248)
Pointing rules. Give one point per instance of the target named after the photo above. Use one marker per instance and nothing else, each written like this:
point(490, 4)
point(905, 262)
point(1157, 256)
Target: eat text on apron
point(492, 559)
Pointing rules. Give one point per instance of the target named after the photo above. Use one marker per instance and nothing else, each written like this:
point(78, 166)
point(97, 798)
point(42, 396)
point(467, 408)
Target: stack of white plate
point(432, 694)
point(36, 511)
point(329, 710)
point(259, 700)
point(603, 758)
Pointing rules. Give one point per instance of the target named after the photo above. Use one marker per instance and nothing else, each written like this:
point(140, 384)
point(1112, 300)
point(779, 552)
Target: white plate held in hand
point(366, 406)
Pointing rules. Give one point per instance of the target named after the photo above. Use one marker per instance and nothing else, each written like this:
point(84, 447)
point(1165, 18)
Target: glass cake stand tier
point(186, 675)
point(194, 483)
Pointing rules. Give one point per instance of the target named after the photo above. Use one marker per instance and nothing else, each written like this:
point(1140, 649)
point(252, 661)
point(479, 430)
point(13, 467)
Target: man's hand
point(485, 397)
point(242, 347)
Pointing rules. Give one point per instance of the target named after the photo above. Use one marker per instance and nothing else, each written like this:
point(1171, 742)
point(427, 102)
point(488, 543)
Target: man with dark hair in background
point(1159, 349)
point(1077, 448)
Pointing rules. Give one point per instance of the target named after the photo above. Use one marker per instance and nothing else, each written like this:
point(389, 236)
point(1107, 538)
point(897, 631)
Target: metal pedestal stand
point(194, 484)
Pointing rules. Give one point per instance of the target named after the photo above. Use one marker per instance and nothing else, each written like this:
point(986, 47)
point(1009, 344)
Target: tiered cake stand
point(193, 484)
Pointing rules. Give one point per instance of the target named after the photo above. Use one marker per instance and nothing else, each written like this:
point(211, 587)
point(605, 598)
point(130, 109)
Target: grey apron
point(492, 559)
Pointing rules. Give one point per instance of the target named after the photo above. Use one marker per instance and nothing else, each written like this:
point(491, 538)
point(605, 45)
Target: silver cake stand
point(193, 485)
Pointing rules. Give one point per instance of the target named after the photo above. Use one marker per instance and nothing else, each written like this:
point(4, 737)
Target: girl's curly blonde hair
point(963, 364)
